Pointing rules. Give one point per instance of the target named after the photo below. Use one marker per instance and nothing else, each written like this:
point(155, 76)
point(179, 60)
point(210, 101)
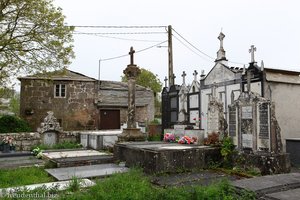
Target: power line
point(116, 57)
point(116, 26)
point(113, 37)
point(120, 33)
point(200, 50)
point(192, 45)
point(191, 49)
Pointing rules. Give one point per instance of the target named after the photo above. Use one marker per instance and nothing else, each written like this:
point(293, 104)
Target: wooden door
point(109, 119)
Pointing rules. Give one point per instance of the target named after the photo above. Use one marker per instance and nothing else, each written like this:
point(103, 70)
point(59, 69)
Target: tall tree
point(33, 38)
point(148, 80)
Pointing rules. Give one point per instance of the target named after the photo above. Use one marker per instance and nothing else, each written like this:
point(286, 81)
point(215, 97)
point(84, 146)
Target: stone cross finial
point(183, 77)
point(173, 77)
point(221, 38)
point(252, 50)
point(166, 81)
point(195, 75)
point(131, 52)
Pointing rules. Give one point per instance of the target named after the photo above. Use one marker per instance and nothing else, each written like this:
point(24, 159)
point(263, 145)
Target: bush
point(13, 124)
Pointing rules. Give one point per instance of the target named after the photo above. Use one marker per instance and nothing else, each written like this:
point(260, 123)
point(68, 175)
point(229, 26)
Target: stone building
point(80, 102)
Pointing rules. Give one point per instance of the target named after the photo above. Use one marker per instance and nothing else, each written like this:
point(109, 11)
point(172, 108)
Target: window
point(60, 90)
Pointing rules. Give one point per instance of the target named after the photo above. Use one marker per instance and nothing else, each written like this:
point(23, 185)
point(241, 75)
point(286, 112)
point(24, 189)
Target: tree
point(33, 38)
point(148, 80)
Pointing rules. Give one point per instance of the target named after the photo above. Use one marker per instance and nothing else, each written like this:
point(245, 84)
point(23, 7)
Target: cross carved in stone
point(131, 52)
point(166, 81)
point(195, 75)
point(252, 50)
point(183, 77)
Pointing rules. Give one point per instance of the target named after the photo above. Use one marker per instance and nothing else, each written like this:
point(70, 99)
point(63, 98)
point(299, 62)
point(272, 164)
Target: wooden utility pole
point(170, 54)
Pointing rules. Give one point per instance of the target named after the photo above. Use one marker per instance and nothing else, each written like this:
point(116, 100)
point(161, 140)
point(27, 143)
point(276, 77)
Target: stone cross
point(195, 75)
point(252, 50)
point(166, 81)
point(173, 77)
point(183, 77)
point(221, 38)
point(131, 53)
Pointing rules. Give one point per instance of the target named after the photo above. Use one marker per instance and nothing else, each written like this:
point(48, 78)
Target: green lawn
point(23, 176)
point(133, 185)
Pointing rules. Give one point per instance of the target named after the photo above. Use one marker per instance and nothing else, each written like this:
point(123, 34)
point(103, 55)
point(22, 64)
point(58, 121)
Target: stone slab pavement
point(280, 186)
point(86, 171)
point(68, 154)
point(60, 185)
point(204, 177)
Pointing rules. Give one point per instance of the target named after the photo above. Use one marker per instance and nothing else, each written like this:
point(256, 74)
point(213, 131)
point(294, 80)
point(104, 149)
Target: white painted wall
point(287, 108)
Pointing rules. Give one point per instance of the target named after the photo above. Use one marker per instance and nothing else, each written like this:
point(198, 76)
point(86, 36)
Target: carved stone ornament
point(50, 124)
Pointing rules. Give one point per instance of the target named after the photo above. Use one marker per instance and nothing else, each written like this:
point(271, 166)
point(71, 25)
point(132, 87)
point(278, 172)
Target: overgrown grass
point(135, 186)
point(23, 176)
point(61, 145)
point(132, 185)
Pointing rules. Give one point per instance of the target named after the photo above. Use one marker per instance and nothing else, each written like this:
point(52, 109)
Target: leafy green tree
point(33, 38)
point(148, 80)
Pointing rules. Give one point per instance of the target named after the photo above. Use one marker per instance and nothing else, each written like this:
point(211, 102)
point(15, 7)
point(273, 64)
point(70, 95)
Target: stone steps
point(83, 161)
point(72, 158)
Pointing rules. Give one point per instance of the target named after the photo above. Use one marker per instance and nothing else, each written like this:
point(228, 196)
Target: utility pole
point(170, 55)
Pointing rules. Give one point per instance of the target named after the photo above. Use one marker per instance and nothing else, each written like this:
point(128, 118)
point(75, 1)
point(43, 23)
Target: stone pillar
point(131, 133)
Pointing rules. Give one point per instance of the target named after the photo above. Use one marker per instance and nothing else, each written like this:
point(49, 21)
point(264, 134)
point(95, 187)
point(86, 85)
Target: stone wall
point(25, 141)
point(76, 111)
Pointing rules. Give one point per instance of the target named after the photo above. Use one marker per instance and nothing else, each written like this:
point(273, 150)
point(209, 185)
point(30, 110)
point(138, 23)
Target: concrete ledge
point(61, 185)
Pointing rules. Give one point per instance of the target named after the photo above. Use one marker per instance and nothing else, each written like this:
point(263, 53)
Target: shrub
point(13, 124)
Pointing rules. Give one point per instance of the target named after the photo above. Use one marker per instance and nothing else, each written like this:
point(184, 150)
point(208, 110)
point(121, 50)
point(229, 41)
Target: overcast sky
point(273, 26)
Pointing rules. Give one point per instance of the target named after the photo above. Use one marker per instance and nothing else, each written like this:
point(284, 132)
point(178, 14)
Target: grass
point(23, 176)
point(133, 185)
point(62, 145)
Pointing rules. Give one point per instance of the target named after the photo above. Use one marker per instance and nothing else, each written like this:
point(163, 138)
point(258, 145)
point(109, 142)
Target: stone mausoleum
point(80, 102)
point(225, 83)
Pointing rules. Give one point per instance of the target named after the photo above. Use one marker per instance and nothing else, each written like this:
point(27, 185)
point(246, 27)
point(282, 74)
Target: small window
point(60, 90)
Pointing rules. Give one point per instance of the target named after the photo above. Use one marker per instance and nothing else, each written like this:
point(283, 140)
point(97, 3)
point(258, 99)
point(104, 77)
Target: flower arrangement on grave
point(197, 119)
point(169, 137)
point(187, 140)
point(8, 144)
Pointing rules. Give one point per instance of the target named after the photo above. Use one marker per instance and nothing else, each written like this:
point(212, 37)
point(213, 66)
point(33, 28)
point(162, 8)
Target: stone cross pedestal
point(131, 133)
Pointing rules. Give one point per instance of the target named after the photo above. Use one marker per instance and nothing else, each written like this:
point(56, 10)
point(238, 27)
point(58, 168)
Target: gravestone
point(49, 129)
point(252, 124)
point(216, 122)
